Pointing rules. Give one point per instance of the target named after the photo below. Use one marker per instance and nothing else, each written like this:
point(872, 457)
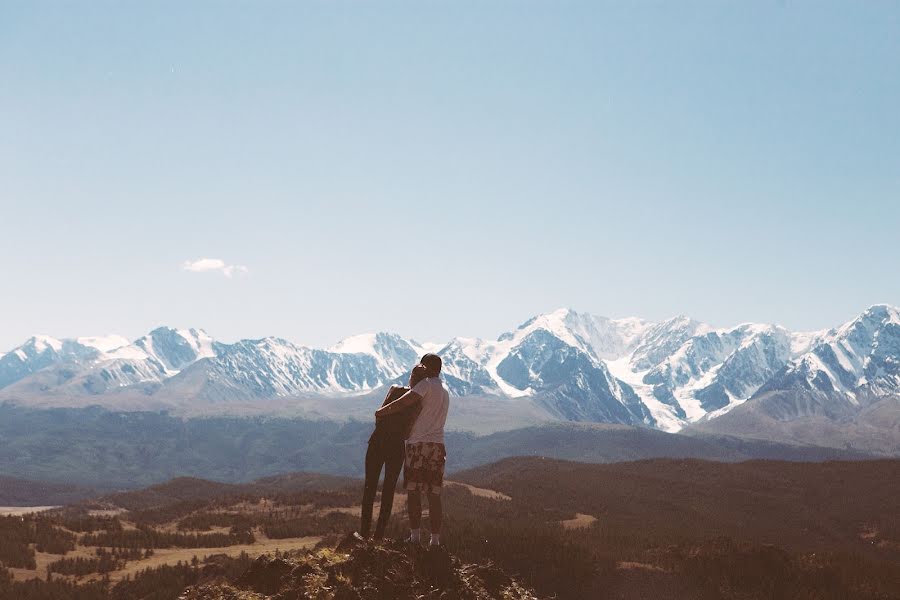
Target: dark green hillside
point(804, 506)
point(111, 450)
point(687, 528)
point(187, 490)
point(21, 492)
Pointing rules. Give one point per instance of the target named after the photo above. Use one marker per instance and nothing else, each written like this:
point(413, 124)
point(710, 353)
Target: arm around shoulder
point(399, 404)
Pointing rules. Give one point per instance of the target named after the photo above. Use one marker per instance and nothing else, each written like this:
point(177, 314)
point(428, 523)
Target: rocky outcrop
point(359, 570)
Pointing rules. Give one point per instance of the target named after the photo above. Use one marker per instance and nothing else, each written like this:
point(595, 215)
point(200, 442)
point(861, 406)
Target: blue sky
point(444, 168)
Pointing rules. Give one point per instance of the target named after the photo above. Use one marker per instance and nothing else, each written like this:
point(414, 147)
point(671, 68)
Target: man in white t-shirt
point(423, 470)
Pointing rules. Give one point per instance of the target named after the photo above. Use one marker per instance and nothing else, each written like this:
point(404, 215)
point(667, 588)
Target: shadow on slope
point(602, 443)
point(808, 417)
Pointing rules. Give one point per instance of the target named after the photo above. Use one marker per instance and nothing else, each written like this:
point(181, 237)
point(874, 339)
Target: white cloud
point(202, 265)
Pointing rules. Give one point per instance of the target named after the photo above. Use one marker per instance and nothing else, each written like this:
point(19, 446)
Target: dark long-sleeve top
point(395, 427)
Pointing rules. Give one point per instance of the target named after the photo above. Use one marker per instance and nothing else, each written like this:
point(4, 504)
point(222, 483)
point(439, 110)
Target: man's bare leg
point(435, 516)
point(414, 510)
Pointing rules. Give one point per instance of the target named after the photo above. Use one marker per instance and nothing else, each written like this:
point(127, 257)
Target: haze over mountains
point(562, 365)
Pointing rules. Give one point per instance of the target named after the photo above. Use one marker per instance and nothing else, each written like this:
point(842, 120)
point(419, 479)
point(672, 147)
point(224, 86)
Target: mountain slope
point(100, 448)
point(862, 355)
point(41, 352)
point(272, 367)
point(100, 365)
point(843, 392)
point(22, 492)
point(393, 354)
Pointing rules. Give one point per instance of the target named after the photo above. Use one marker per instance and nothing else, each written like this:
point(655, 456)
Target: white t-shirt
point(429, 426)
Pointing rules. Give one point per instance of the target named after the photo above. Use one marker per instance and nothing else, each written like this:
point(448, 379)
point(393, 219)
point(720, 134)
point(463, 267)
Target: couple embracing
point(409, 435)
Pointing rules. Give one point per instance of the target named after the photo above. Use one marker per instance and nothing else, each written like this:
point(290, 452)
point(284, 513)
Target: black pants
point(390, 454)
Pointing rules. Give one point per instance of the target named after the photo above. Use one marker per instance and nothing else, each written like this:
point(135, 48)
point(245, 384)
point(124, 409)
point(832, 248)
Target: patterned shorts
point(423, 469)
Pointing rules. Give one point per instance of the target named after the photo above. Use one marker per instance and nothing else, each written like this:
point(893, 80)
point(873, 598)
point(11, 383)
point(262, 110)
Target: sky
point(314, 170)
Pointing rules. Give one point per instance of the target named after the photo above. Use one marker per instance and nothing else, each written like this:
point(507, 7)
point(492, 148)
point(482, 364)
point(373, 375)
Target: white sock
point(435, 539)
point(415, 535)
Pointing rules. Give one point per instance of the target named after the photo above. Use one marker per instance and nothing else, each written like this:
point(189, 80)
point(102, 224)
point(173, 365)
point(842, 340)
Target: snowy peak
point(174, 349)
point(466, 367)
point(663, 339)
point(876, 316)
point(150, 359)
point(39, 344)
point(862, 355)
point(391, 352)
point(273, 367)
point(35, 354)
point(860, 334)
point(597, 336)
point(568, 379)
point(99, 364)
point(720, 368)
point(42, 352)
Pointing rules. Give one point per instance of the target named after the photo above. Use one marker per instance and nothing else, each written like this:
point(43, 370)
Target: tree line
point(161, 583)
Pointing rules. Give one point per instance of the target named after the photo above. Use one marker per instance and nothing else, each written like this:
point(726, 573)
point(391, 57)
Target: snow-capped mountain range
point(569, 365)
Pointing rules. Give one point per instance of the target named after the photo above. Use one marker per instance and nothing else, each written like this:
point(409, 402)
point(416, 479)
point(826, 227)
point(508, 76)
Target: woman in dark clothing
point(387, 447)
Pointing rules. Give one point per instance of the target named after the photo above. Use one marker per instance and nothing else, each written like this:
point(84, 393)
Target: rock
point(266, 574)
point(367, 571)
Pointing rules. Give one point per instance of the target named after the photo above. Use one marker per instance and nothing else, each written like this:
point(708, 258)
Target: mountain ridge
point(561, 365)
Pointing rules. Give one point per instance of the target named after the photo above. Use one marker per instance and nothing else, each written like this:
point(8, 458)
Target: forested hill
point(659, 528)
point(15, 491)
point(825, 505)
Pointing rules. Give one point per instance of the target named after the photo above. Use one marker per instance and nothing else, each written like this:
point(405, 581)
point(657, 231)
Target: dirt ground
point(580, 521)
